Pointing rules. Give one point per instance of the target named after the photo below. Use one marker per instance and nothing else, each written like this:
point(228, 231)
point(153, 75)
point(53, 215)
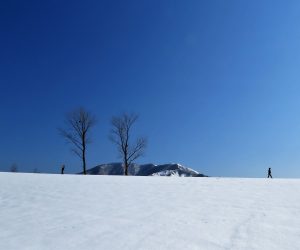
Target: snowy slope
point(75, 212)
point(172, 169)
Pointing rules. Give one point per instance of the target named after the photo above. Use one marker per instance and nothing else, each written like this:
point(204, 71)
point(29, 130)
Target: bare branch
point(137, 150)
point(77, 152)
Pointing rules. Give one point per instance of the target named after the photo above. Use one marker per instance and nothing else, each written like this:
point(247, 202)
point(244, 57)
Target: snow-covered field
point(66, 212)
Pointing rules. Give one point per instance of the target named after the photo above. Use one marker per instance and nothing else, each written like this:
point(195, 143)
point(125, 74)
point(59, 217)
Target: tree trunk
point(83, 153)
point(126, 167)
point(84, 163)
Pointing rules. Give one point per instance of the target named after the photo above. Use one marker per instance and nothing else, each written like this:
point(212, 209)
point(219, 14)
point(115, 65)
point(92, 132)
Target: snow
point(77, 212)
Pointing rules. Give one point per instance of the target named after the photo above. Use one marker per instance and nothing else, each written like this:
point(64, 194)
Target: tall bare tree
point(77, 132)
point(121, 135)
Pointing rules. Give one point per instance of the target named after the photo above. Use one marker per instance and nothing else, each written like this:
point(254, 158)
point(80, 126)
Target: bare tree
point(14, 168)
point(120, 135)
point(36, 171)
point(77, 132)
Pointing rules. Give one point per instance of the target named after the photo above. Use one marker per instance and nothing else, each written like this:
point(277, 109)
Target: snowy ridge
point(172, 169)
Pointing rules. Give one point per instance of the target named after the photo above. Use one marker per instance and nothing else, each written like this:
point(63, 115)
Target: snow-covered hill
point(145, 170)
point(76, 212)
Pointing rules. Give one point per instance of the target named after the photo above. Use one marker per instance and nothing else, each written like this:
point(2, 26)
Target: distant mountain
point(145, 170)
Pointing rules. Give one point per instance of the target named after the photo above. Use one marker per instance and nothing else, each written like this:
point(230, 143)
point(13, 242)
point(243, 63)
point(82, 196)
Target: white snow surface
point(66, 212)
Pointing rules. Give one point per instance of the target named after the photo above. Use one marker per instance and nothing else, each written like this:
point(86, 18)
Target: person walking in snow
point(62, 169)
point(269, 173)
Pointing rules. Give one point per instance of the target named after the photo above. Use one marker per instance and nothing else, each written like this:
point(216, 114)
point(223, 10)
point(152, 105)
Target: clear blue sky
point(216, 83)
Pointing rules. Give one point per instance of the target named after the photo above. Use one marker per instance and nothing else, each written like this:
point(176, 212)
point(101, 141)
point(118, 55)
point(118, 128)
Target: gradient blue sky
point(216, 83)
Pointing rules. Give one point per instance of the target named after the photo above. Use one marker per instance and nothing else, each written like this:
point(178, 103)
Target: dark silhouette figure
point(62, 169)
point(269, 173)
